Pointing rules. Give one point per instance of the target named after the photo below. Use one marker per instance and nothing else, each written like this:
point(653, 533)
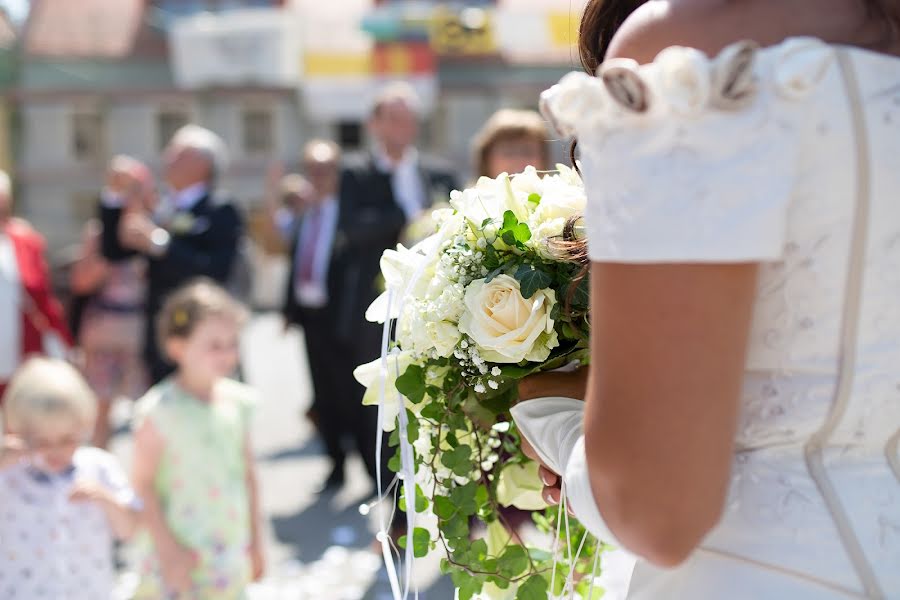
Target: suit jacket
point(370, 222)
point(204, 243)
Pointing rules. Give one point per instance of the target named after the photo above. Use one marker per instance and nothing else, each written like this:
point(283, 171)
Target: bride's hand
point(552, 491)
point(555, 383)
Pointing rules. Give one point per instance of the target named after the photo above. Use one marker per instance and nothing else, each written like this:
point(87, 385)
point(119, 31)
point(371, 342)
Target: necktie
point(310, 242)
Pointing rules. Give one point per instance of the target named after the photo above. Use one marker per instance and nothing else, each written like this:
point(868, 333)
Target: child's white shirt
point(50, 547)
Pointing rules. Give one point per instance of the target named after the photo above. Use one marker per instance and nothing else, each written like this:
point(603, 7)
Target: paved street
point(318, 547)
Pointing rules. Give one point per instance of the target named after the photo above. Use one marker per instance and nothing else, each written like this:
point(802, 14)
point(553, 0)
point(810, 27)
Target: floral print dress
point(201, 485)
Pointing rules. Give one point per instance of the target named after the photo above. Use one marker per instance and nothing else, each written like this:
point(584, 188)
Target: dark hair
point(600, 22)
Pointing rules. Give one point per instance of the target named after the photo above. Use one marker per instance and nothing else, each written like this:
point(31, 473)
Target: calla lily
point(520, 486)
point(381, 382)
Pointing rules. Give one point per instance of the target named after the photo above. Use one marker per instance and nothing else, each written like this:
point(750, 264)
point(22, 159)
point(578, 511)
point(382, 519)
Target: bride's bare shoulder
point(710, 25)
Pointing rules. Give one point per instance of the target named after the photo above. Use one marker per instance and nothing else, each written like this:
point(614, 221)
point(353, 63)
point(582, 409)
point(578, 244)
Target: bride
point(742, 413)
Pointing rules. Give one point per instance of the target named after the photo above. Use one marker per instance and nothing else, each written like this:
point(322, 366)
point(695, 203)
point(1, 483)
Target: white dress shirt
point(313, 292)
point(53, 547)
point(187, 199)
point(406, 181)
point(10, 307)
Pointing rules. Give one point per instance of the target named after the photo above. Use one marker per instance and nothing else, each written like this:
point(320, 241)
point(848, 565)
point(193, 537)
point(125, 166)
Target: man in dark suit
point(381, 192)
point(194, 233)
point(313, 301)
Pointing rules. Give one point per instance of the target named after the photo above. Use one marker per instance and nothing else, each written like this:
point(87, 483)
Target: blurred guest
point(196, 231)
point(510, 141)
point(31, 318)
point(111, 320)
point(193, 459)
point(380, 193)
point(287, 197)
point(63, 503)
point(313, 295)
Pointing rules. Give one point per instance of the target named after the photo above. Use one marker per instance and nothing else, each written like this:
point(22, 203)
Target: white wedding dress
point(787, 156)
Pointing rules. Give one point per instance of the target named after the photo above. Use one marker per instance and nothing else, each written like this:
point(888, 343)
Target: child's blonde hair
point(196, 301)
point(45, 388)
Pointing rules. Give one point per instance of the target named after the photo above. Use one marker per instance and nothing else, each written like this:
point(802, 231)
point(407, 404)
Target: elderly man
point(195, 231)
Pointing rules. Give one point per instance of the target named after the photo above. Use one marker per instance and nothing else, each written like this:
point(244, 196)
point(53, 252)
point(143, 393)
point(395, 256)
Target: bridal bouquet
point(487, 300)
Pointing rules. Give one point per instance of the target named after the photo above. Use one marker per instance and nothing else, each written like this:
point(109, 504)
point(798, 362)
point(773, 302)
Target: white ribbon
point(407, 459)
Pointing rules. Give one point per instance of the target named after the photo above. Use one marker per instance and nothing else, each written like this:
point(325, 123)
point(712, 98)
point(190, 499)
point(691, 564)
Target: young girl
point(193, 459)
point(61, 503)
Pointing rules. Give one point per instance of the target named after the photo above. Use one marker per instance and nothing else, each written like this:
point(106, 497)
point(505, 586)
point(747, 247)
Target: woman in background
point(510, 141)
point(111, 323)
point(31, 318)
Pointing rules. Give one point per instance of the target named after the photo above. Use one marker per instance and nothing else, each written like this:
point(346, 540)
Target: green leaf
point(412, 427)
point(534, 198)
point(456, 527)
point(394, 438)
point(467, 585)
point(421, 542)
point(534, 588)
point(412, 383)
point(433, 411)
point(509, 220)
point(584, 588)
point(581, 296)
point(481, 495)
point(539, 555)
point(493, 274)
point(522, 232)
point(421, 500)
point(458, 460)
point(491, 260)
point(513, 561)
point(486, 222)
point(443, 508)
point(508, 237)
point(395, 463)
point(531, 280)
point(401, 542)
point(464, 499)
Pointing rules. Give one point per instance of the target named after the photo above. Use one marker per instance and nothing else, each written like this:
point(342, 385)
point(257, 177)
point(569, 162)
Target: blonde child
point(193, 459)
point(61, 503)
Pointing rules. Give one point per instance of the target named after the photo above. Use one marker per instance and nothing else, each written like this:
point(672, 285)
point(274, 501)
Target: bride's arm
point(662, 399)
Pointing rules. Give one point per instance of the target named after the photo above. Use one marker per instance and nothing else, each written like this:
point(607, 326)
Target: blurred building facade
point(85, 80)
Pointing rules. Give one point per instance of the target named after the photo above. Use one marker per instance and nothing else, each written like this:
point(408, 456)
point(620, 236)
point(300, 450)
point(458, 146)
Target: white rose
point(443, 336)
point(489, 199)
point(376, 379)
point(506, 327)
point(561, 200)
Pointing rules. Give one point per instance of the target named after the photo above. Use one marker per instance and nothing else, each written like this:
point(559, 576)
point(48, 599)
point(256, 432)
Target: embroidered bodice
point(787, 156)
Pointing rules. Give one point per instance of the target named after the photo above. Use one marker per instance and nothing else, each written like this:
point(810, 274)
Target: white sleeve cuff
point(554, 427)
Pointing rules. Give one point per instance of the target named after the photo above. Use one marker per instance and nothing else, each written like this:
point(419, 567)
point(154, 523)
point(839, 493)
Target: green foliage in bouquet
point(485, 302)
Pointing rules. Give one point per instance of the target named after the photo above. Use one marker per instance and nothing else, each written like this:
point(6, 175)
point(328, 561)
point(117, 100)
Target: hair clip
point(180, 317)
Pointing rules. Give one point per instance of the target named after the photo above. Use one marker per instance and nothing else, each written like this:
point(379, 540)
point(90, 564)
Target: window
point(167, 123)
point(87, 136)
point(349, 135)
point(257, 131)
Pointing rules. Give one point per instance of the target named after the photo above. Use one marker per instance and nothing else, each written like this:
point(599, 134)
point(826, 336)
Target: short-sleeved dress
point(787, 156)
point(201, 484)
point(52, 548)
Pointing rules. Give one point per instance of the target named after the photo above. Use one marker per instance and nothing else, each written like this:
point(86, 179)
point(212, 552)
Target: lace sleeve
point(690, 159)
